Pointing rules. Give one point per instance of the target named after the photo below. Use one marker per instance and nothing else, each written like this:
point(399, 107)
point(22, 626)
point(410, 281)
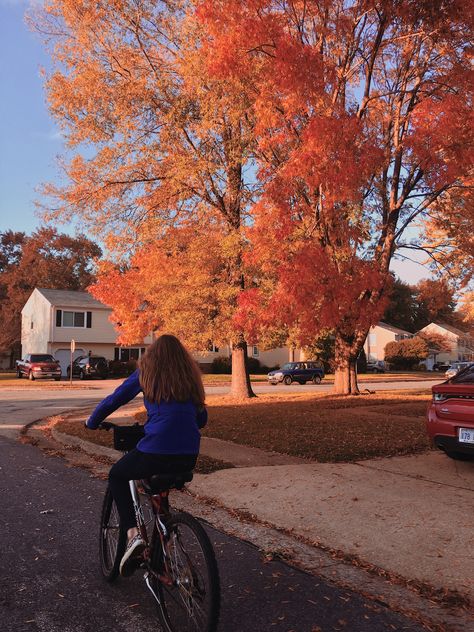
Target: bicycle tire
point(192, 603)
point(112, 539)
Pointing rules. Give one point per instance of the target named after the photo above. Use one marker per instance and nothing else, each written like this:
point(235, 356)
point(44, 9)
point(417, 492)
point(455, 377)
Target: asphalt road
point(50, 580)
point(25, 403)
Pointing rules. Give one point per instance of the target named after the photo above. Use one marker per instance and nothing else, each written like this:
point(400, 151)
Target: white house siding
point(379, 336)
point(462, 344)
point(35, 325)
point(268, 357)
point(40, 334)
point(101, 332)
point(273, 357)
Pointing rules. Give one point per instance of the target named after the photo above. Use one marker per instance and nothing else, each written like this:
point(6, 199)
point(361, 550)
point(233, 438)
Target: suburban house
point(462, 343)
point(380, 335)
point(269, 357)
point(52, 318)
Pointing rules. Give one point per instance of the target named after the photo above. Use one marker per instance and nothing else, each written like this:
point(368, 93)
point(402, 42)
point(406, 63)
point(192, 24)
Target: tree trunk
point(240, 386)
point(345, 379)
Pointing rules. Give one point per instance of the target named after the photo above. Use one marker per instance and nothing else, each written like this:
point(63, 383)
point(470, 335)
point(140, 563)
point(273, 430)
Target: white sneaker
point(132, 556)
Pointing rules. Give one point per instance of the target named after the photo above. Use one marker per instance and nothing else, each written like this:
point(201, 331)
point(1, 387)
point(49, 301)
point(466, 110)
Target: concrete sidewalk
point(411, 516)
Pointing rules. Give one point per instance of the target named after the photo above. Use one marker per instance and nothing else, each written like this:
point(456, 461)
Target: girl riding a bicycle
point(174, 397)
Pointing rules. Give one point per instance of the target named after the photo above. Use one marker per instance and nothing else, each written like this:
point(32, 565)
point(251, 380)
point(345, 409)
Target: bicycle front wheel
point(190, 600)
point(112, 539)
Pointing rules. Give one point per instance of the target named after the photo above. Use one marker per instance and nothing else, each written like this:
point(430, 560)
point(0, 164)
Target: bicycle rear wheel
point(112, 539)
point(192, 602)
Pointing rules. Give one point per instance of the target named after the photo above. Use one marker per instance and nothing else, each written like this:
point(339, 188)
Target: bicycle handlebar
point(106, 425)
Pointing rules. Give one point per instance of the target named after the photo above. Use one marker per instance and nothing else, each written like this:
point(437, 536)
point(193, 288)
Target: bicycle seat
point(161, 482)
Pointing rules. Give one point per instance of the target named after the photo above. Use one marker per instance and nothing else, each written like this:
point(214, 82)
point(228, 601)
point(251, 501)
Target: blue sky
point(29, 138)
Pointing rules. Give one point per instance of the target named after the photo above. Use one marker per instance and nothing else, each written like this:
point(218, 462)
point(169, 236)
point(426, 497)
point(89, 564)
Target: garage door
point(64, 358)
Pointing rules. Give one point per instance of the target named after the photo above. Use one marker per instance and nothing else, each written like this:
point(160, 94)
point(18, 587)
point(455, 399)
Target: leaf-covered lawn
point(204, 465)
point(321, 427)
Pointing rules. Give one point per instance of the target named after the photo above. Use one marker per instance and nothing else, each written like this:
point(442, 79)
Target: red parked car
point(450, 420)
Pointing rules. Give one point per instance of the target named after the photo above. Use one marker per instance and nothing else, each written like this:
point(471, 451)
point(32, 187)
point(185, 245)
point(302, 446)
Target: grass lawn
point(10, 375)
point(323, 427)
point(409, 376)
point(318, 427)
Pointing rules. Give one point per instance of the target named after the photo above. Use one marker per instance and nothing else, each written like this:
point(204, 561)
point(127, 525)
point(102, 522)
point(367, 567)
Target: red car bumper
point(444, 433)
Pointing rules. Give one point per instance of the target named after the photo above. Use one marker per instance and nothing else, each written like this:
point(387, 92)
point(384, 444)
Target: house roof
point(450, 328)
point(71, 298)
point(396, 330)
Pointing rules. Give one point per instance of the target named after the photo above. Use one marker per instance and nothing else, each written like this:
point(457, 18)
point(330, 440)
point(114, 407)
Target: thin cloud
point(52, 135)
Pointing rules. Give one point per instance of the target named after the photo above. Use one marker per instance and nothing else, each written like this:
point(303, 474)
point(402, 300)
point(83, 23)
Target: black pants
point(136, 465)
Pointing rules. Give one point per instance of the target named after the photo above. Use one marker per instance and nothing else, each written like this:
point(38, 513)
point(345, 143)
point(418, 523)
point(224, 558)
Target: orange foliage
point(179, 283)
point(363, 123)
point(158, 146)
point(354, 116)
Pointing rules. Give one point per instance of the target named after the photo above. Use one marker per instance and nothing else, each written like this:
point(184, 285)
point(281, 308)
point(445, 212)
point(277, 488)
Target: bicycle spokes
point(190, 601)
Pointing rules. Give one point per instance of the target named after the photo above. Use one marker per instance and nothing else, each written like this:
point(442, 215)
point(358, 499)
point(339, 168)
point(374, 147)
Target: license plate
point(466, 435)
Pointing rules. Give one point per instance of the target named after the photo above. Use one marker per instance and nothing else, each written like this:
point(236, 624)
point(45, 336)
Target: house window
point(212, 348)
point(124, 354)
point(31, 325)
point(372, 340)
point(73, 319)
point(255, 351)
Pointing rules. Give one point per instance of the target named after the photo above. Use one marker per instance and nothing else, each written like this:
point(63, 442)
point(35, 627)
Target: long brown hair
point(168, 371)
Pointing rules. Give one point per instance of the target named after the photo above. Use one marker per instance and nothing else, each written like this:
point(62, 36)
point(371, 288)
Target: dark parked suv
point(302, 372)
point(89, 366)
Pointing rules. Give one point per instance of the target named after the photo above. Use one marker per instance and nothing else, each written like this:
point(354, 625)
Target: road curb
point(90, 448)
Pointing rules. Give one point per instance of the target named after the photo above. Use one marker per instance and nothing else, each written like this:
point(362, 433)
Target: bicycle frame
point(160, 506)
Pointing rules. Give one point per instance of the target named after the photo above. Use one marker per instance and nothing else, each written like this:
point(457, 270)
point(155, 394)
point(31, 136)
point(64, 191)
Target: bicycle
point(179, 561)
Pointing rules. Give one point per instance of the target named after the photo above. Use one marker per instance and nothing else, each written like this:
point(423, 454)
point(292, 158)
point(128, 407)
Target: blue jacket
point(171, 427)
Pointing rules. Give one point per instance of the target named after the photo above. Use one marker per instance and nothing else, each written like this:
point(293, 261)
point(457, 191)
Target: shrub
point(420, 367)
point(405, 354)
point(222, 364)
point(256, 367)
point(122, 369)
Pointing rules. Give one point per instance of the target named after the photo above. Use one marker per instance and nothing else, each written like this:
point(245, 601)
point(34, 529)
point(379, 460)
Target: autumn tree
point(434, 302)
point(436, 341)
point(405, 354)
point(412, 307)
point(166, 143)
point(466, 309)
point(401, 309)
point(363, 121)
point(180, 282)
point(448, 236)
point(46, 259)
